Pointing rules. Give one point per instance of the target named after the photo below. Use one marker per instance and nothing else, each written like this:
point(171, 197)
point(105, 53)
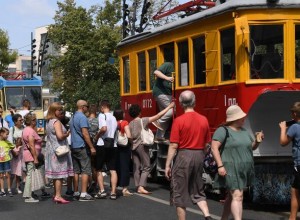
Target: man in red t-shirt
point(189, 137)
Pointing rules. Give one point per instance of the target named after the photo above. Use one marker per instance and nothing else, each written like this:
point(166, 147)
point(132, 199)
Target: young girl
point(5, 148)
point(15, 137)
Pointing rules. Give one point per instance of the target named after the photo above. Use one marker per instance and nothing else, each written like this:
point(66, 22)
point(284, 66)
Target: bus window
point(152, 65)
point(297, 50)
point(142, 71)
point(266, 51)
point(126, 75)
point(199, 60)
point(183, 63)
point(15, 96)
point(34, 95)
point(228, 54)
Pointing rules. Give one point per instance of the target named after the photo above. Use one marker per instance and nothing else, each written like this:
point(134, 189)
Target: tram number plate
point(147, 103)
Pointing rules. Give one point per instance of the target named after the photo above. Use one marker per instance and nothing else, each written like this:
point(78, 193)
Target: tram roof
point(35, 81)
point(229, 5)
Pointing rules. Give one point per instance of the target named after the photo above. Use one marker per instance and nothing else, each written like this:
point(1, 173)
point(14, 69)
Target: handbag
point(122, 139)
point(146, 136)
point(37, 180)
point(209, 164)
point(62, 150)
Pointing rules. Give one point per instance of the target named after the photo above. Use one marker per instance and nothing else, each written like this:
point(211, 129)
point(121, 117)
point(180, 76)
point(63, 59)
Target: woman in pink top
point(32, 145)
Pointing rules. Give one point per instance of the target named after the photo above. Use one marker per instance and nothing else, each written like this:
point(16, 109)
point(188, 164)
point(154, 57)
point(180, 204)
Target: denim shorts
point(81, 161)
point(5, 167)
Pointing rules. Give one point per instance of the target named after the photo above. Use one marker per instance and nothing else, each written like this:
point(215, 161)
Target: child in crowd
point(5, 148)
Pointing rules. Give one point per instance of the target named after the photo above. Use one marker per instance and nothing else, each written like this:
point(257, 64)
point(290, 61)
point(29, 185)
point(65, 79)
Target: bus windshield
point(15, 95)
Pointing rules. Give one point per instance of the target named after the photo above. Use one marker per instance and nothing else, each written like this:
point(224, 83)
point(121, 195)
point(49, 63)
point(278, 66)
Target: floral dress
point(56, 167)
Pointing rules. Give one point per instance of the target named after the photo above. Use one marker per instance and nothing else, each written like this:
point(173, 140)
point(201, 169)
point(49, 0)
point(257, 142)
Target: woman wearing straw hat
point(235, 164)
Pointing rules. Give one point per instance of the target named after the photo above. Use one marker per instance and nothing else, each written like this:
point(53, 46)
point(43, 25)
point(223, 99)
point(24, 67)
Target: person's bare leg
point(203, 207)
point(100, 181)
point(181, 213)
point(75, 182)
point(84, 182)
point(237, 204)
point(114, 181)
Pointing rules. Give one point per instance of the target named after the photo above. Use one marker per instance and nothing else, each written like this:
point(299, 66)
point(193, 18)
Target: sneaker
point(19, 191)
point(45, 195)
point(86, 198)
point(10, 194)
point(101, 195)
point(2, 194)
point(30, 199)
point(157, 125)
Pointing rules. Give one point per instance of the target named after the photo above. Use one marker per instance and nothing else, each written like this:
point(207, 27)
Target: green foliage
point(6, 55)
point(88, 39)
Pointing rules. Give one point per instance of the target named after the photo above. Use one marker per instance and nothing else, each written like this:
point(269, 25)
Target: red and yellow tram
point(238, 52)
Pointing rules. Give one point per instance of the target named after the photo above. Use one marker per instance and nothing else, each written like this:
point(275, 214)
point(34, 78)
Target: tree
point(7, 56)
point(142, 11)
point(89, 39)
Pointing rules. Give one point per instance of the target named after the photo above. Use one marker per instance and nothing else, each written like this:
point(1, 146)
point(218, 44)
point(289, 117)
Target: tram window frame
point(126, 74)
point(228, 68)
point(183, 63)
point(266, 51)
point(142, 76)
point(152, 66)
point(199, 60)
point(297, 51)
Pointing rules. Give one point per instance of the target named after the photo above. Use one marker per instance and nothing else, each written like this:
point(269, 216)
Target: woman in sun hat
point(235, 165)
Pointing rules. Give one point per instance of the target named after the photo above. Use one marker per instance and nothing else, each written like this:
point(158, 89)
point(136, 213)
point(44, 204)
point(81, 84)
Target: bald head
point(80, 104)
point(187, 99)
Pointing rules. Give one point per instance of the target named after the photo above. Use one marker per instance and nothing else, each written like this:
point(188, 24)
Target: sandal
point(127, 193)
point(113, 196)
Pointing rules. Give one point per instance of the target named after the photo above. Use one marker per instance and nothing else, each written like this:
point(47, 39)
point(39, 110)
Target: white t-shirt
point(23, 112)
point(110, 123)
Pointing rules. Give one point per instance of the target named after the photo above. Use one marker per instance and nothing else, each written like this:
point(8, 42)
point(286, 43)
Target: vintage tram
point(237, 52)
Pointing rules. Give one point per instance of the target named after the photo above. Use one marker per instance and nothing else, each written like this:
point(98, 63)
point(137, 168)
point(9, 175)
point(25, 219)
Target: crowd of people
point(90, 136)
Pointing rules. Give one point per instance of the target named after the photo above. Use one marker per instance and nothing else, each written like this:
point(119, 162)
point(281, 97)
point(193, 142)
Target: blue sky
point(20, 17)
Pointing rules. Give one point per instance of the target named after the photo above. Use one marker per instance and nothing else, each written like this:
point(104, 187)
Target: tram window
point(183, 63)
point(228, 54)
point(126, 75)
point(142, 71)
point(266, 51)
point(297, 51)
point(199, 60)
point(168, 52)
point(152, 65)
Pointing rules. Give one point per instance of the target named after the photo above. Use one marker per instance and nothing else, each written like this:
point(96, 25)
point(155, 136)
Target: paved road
point(137, 207)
